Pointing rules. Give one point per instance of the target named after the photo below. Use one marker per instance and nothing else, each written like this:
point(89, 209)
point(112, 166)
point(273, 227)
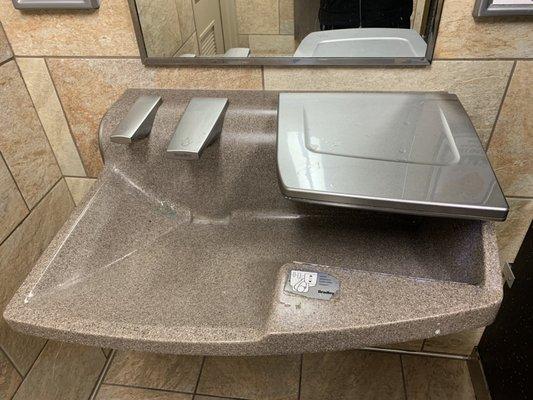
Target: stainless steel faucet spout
point(199, 126)
point(138, 123)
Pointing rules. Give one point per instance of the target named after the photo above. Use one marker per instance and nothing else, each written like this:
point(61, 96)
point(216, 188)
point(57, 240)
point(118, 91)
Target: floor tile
point(155, 371)
point(109, 392)
point(265, 378)
point(429, 378)
point(62, 371)
point(9, 377)
point(18, 255)
point(197, 397)
point(352, 375)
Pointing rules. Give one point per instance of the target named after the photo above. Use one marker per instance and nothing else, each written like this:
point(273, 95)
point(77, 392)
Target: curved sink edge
point(93, 334)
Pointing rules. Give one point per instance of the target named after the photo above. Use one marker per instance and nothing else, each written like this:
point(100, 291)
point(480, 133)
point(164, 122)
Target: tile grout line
point(7, 60)
point(132, 386)
point(18, 188)
point(519, 197)
point(300, 376)
point(211, 396)
point(12, 363)
point(403, 378)
point(79, 177)
point(199, 376)
point(504, 96)
point(102, 375)
point(54, 86)
point(31, 210)
point(30, 369)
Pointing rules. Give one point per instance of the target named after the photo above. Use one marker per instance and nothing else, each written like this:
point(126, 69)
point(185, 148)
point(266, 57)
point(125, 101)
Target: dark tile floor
point(340, 375)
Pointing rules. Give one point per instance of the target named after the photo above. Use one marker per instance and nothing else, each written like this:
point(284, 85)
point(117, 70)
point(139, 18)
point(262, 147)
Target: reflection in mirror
point(284, 28)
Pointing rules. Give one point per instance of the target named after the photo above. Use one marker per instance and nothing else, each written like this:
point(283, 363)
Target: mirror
point(286, 32)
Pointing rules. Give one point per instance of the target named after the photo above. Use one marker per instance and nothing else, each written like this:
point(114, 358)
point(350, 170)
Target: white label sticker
point(301, 281)
point(310, 284)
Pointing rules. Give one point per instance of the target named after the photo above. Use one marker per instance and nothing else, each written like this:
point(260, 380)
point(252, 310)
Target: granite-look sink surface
point(191, 257)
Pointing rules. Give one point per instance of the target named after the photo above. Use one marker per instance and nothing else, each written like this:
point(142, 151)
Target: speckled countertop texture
point(191, 257)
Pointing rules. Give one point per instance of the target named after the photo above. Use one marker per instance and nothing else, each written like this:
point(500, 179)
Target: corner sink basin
point(363, 43)
point(192, 257)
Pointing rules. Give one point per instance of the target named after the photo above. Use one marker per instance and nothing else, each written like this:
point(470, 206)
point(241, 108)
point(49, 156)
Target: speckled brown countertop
point(191, 257)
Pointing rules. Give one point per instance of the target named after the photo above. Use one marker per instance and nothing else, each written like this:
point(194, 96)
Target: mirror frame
point(432, 28)
point(486, 8)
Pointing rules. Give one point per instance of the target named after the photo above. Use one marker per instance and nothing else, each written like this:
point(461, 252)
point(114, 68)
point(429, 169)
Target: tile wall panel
point(12, 206)
point(22, 140)
point(461, 36)
point(62, 371)
point(42, 92)
point(511, 146)
point(107, 31)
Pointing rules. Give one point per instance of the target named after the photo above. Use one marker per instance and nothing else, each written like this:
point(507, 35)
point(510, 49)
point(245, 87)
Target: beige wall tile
point(22, 140)
point(160, 26)
point(273, 377)
point(18, 255)
point(108, 392)
point(286, 17)
point(62, 371)
point(436, 378)
point(12, 206)
point(460, 36)
point(42, 92)
point(272, 45)
point(5, 49)
point(88, 87)
point(186, 17)
point(107, 31)
point(511, 146)
point(511, 233)
point(155, 371)
point(79, 187)
point(257, 16)
point(351, 375)
point(9, 377)
point(457, 343)
point(479, 84)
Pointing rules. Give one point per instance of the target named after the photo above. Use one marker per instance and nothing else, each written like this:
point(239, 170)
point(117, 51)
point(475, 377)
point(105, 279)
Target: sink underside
point(191, 257)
